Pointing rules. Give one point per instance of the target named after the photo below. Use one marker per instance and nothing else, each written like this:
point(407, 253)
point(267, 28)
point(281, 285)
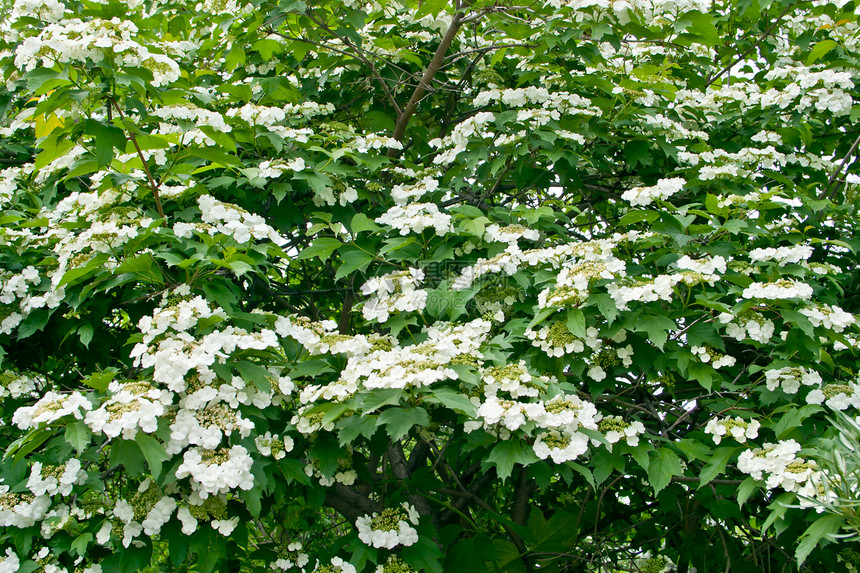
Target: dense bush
point(486, 286)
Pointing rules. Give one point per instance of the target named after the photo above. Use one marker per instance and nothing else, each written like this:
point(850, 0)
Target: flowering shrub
point(377, 286)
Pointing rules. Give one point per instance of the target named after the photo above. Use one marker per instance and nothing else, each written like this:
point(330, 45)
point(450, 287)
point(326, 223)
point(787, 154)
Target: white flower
point(389, 529)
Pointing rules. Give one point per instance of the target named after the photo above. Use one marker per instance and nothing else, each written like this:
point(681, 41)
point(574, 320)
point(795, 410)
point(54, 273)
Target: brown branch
point(834, 180)
point(400, 467)
point(152, 184)
point(349, 503)
point(712, 79)
point(424, 84)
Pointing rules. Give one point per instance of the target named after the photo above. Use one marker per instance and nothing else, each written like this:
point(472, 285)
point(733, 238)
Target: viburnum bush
point(439, 286)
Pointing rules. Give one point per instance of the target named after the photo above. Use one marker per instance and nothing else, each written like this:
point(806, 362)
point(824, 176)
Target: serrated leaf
point(256, 374)
point(662, 466)
point(508, 453)
point(819, 51)
point(375, 399)
point(353, 260)
point(153, 451)
point(361, 222)
point(78, 435)
point(351, 427)
point(638, 216)
point(576, 322)
point(398, 421)
point(453, 400)
point(716, 465)
point(823, 529)
point(746, 489)
point(322, 248)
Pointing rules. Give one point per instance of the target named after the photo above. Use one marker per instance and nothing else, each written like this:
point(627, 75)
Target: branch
point(400, 467)
point(712, 79)
point(152, 184)
point(349, 503)
point(834, 180)
point(424, 84)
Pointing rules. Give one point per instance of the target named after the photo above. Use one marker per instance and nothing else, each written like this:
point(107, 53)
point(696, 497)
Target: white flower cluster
point(790, 378)
point(133, 405)
point(50, 408)
point(513, 379)
point(510, 234)
point(147, 512)
point(830, 317)
point(173, 356)
point(206, 427)
point(781, 289)
point(321, 337)
point(704, 265)
point(749, 324)
point(573, 283)
point(391, 366)
point(17, 385)
point(273, 446)
point(191, 113)
point(836, 396)
point(374, 141)
point(709, 355)
point(213, 472)
point(234, 221)
point(512, 259)
point(643, 196)
point(616, 428)
point(416, 217)
point(661, 287)
point(390, 528)
point(336, 565)
point(403, 194)
point(556, 340)
point(393, 292)
point(55, 480)
point(22, 510)
point(291, 558)
point(457, 141)
point(96, 40)
point(778, 466)
point(736, 427)
point(782, 255)
point(10, 563)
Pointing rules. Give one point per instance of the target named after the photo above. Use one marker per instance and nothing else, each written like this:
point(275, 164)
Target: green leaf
point(259, 376)
point(576, 322)
point(126, 453)
point(746, 489)
point(143, 267)
point(716, 465)
point(398, 421)
point(508, 453)
point(423, 555)
point(353, 260)
point(663, 464)
point(78, 435)
point(153, 451)
point(79, 545)
point(85, 334)
point(351, 427)
point(321, 248)
point(28, 442)
point(106, 138)
point(376, 399)
point(793, 418)
point(452, 399)
point(638, 216)
point(824, 528)
point(657, 328)
point(819, 51)
point(361, 222)
point(101, 380)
